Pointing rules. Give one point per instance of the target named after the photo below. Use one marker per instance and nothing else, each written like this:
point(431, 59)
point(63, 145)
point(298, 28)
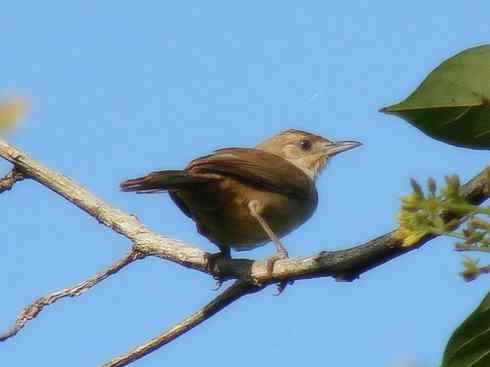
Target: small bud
point(460, 246)
point(453, 183)
point(452, 225)
point(471, 269)
point(478, 223)
point(475, 237)
point(451, 191)
point(432, 185)
point(410, 202)
point(416, 188)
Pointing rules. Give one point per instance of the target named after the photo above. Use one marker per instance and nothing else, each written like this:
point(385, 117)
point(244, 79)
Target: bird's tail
point(163, 181)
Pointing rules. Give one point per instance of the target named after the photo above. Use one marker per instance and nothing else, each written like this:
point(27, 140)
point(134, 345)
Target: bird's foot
point(212, 259)
point(271, 260)
point(135, 217)
point(219, 283)
point(282, 285)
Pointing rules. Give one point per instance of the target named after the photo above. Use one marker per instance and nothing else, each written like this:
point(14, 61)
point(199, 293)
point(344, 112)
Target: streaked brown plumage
point(242, 197)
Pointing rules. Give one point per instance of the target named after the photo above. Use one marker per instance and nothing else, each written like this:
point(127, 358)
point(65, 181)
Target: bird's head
point(308, 152)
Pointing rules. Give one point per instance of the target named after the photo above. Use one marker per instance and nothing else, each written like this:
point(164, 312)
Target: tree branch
point(345, 264)
point(125, 224)
point(32, 310)
point(233, 293)
point(9, 180)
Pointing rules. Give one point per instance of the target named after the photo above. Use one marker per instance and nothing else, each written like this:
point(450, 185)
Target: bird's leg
point(281, 253)
point(211, 260)
point(224, 253)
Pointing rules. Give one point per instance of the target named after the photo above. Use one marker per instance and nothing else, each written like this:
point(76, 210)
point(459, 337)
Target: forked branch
point(8, 181)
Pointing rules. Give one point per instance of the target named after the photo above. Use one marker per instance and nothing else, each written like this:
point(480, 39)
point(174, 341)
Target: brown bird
point(242, 198)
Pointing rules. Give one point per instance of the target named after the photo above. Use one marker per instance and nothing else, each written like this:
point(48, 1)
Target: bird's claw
point(211, 260)
point(282, 285)
point(271, 260)
point(219, 283)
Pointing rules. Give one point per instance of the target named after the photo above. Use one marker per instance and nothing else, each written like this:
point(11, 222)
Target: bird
point(243, 198)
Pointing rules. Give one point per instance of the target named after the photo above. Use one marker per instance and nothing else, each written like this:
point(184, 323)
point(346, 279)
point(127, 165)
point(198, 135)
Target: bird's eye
point(305, 144)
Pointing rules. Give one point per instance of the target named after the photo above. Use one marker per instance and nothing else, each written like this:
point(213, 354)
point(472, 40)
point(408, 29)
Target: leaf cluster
point(429, 212)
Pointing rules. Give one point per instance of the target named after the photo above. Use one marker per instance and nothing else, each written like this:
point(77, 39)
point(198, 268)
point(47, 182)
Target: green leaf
point(453, 103)
point(469, 346)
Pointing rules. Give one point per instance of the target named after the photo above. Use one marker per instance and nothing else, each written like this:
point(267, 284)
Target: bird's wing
point(170, 181)
point(160, 181)
point(256, 168)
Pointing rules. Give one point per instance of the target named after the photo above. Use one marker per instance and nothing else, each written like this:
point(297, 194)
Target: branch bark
point(252, 275)
point(7, 182)
point(125, 224)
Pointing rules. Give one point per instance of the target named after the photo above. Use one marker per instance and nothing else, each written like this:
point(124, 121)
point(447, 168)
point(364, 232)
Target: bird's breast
point(222, 214)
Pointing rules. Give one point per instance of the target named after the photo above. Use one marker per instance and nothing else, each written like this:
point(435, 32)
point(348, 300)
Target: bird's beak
point(333, 148)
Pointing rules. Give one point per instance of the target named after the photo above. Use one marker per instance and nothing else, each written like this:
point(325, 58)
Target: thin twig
point(468, 247)
point(484, 269)
point(234, 292)
point(8, 181)
point(32, 310)
point(472, 271)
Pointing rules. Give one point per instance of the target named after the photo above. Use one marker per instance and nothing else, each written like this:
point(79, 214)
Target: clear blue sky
point(121, 88)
